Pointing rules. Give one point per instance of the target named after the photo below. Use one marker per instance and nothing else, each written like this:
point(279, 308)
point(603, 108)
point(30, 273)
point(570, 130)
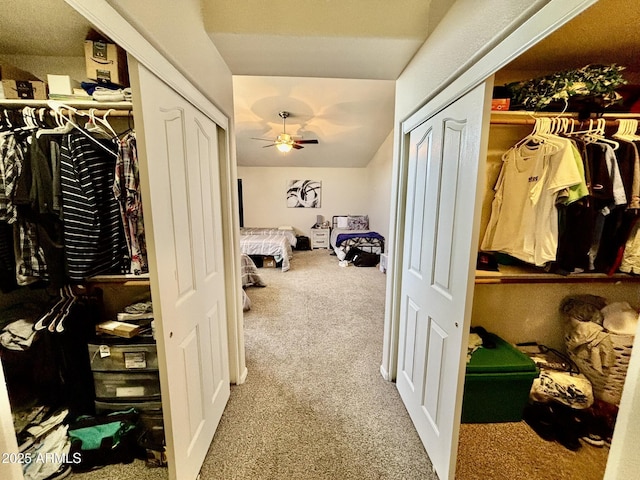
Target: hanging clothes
point(93, 233)
point(126, 189)
point(10, 168)
point(607, 191)
point(11, 158)
point(524, 218)
point(7, 259)
point(36, 205)
point(594, 217)
point(30, 263)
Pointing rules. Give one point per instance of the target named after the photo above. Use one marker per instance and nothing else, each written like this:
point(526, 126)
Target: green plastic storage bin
point(497, 384)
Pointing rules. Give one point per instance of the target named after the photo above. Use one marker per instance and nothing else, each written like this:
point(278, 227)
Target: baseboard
point(243, 377)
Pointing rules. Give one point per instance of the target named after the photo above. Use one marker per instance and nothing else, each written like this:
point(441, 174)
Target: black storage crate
point(303, 243)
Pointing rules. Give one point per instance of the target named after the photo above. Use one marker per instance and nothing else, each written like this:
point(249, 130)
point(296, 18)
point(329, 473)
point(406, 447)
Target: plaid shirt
point(11, 158)
point(30, 261)
point(126, 188)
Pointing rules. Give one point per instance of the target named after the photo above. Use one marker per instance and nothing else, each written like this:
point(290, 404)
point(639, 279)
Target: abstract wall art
point(303, 194)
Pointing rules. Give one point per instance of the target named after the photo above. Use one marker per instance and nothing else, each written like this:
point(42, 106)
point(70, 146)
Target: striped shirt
point(93, 235)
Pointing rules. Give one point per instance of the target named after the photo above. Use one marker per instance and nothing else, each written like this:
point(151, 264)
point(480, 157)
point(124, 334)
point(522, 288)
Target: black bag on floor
point(361, 258)
point(105, 439)
point(303, 243)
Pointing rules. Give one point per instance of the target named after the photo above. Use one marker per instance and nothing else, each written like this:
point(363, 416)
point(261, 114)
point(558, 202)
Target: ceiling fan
point(286, 142)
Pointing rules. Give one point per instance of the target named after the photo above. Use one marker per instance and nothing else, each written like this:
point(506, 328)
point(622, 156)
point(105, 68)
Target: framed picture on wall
point(304, 194)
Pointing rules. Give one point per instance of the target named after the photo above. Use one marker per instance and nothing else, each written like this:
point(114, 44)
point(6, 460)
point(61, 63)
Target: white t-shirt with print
point(524, 217)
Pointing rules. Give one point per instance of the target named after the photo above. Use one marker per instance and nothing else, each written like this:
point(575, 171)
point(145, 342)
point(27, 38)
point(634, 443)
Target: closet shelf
point(519, 274)
point(119, 108)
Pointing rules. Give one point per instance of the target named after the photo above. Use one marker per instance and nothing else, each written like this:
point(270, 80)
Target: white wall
point(379, 187)
point(468, 30)
point(344, 191)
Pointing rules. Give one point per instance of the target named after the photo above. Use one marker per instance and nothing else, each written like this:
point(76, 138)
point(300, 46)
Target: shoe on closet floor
point(593, 440)
point(539, 417)
point(569, 426)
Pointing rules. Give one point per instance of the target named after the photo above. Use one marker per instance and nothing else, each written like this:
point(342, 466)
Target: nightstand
point(320, 237)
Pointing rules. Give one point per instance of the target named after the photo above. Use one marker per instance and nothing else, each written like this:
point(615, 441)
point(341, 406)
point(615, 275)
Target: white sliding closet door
point(440, 242)
point(180, 155)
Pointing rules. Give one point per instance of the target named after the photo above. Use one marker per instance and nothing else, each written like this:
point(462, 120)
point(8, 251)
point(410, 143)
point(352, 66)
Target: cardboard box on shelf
point(500, 104)
point(19, 84)
point(23, 90)
point(106, 62)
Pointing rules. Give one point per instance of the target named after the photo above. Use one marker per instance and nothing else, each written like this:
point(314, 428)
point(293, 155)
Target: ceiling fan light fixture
point(284, 147)
point(284, 138)
point(284, 143)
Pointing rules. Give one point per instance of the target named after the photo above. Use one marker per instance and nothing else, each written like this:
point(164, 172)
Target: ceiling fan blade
point(272, 145)
point(296, 146)
point(305, 141)
point(263, 139)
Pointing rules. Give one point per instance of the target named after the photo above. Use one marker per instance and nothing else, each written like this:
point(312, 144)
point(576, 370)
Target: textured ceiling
point(330, 38)
point(607, 32)
point(42, 28)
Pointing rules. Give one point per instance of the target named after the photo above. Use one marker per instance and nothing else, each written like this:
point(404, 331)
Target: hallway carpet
point(314, 405)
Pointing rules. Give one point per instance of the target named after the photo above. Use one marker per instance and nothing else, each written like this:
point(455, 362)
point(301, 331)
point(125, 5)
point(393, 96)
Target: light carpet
point(314, 405)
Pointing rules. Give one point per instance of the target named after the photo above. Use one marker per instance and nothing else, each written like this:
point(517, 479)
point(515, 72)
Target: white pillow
point(343, 222)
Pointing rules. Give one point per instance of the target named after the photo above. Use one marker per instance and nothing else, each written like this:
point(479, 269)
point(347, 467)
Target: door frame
point(104, 17)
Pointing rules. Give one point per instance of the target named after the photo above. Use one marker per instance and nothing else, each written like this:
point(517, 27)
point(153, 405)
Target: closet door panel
point(207, 144)
point(440, 240)
point(181, 184)
point(176, 160)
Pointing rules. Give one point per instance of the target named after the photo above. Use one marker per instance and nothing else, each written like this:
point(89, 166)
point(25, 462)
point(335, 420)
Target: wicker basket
point(608, 385)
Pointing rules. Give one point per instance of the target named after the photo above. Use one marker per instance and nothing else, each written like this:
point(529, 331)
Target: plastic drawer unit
point(497, 384)
point(123, 357)
point(116, 386)
point(125, 371)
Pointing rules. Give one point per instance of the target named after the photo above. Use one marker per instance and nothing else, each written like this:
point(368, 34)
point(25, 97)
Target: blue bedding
point(346, 236)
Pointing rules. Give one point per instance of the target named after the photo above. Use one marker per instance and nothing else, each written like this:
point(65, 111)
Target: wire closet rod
point(101, 113)
point(611, 121)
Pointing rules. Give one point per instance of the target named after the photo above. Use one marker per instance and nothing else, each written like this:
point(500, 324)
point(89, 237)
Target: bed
point(289, 233)
point(349, 231)
point(250, 278)
point(276, 246)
